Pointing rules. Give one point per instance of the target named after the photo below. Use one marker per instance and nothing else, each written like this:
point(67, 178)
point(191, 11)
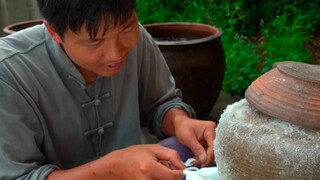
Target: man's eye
point(94, 42)
point(127, 29)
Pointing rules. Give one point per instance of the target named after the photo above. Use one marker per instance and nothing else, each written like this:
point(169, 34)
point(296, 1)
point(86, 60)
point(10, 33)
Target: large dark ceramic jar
point(21, 25)
point(196, 58)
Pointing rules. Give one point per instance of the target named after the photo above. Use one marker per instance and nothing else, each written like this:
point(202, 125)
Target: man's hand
point(198, 135)
point(143, 162)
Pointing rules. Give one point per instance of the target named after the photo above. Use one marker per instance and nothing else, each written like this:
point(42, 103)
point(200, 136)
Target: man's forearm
point(98, 169)
point(171, 119)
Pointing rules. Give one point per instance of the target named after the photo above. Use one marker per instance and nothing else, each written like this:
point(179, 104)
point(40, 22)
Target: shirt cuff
point(43, 172)
point(159, 116)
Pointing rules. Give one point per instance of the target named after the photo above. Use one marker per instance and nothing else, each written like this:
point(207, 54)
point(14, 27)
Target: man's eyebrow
point(130, 22)
point(88, 39)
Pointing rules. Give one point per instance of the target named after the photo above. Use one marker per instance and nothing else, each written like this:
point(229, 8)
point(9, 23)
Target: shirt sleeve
point(158, 92)
point(21, 138)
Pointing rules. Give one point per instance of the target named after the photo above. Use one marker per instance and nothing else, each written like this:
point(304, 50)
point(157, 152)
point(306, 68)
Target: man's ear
point(56, 37)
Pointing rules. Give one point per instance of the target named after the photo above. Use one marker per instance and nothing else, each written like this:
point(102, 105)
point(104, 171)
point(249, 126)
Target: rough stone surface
point(252, 145)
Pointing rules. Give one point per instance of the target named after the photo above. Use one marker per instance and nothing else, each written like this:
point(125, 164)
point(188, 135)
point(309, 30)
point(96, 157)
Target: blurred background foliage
point(256, 34)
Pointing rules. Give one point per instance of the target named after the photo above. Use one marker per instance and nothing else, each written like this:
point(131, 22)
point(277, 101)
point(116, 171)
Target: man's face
point(104, 56)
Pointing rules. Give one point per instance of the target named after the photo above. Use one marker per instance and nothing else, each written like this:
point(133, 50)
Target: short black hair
point(73, 14)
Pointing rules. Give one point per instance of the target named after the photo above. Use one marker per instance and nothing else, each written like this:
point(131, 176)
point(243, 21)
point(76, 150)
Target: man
point(75, 91)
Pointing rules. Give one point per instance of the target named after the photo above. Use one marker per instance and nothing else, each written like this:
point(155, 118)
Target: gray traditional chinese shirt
point(51, 119)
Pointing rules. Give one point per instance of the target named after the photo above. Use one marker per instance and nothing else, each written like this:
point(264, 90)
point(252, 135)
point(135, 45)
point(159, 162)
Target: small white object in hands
point(194, 173)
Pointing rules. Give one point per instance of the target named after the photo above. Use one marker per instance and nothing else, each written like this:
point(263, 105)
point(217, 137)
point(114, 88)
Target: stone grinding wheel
point(290, 92)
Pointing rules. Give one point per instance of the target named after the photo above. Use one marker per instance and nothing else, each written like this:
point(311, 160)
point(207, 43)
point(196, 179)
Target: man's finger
point(198, 150)
point(165, 154)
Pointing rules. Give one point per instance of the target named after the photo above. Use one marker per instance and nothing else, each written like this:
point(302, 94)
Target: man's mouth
point(115, 66)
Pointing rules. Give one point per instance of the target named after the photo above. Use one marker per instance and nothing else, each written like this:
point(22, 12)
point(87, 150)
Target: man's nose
point(114, 51)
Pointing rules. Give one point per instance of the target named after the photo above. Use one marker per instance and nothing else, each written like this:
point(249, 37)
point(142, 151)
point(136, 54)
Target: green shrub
point(256, 34)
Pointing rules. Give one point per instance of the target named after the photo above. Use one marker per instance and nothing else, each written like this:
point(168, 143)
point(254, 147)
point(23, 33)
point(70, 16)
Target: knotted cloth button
point(97, 102)
point(101, 131)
